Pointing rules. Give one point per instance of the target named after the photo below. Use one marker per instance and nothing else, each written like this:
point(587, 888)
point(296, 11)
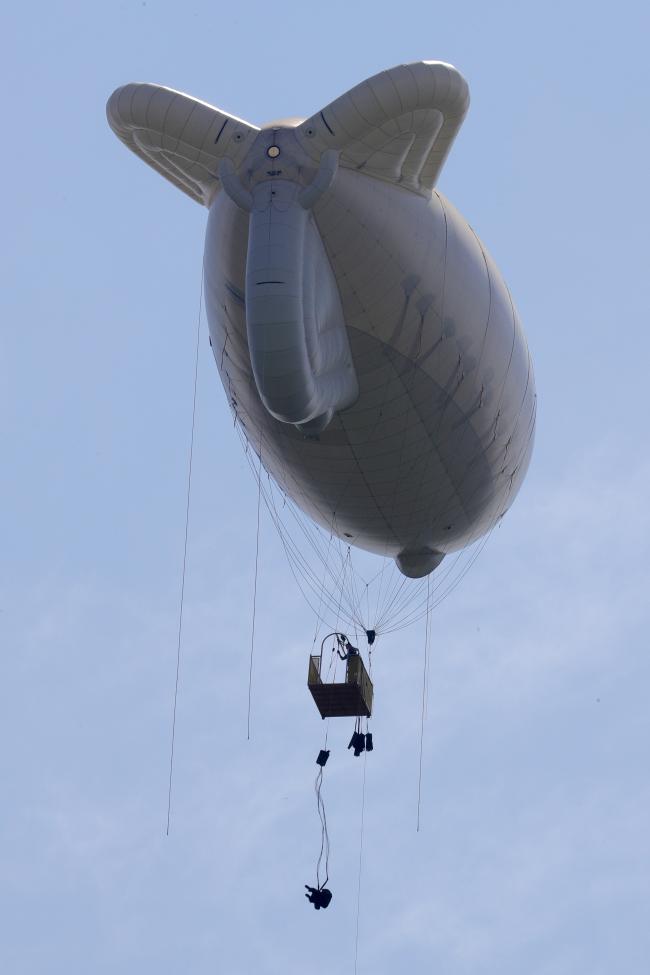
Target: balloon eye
point(273, 152)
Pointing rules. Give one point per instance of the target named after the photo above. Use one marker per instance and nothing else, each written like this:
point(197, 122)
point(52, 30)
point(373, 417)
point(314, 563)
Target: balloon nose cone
point(419, 562)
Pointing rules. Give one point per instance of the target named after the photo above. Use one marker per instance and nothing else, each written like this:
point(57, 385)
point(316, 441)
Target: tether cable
point(257, 556)
point(363, 810)
point(187, 523)
point(424, 697)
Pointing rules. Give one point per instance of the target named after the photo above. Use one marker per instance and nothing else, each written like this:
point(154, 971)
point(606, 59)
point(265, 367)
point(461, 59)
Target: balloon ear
point(181, 137)
point(329, 163)
point(398, 125)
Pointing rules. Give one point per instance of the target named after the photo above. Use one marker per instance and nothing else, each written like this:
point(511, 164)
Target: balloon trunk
point(296, 332)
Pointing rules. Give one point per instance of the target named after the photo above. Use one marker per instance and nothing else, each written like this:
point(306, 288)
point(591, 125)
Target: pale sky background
point(534, 851)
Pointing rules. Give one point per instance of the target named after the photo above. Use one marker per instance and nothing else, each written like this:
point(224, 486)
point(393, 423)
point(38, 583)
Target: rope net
point(350, 587)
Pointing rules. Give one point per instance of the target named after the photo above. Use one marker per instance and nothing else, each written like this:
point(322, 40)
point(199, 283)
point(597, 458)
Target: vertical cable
point(424, 694)
point(257, 555)
point(187, 522)
point(363, 809)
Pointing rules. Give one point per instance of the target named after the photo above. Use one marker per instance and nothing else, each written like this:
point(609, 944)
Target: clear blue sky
point(534, 851)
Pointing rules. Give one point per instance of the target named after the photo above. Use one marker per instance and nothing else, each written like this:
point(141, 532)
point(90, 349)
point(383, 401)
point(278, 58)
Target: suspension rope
point(325, 840)
point(187, 522)
point(297, 561)
point(399, 602)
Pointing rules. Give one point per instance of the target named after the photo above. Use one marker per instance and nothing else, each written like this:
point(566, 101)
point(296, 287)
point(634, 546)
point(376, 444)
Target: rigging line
point(322, 588)
point(395, 585)
point(424, 697)
point(301, 560)
point(314, 535)
point(407, 609)
point(288, 540)
point(294, 566)
point(363, 809)
point(360, 577)
point(187, 522)
point(294, 558)
point(379, 572)
point(292, 563)
point(351, 595)
point(410, 609)
point(393, 595)
point(297, 563)
point(384, 595)
point(478, 546)
point(417, 614)
point(346, 591)
point(340, 582)
point(381, 581)
point(359, 585)
point(341, 590)
point(257, 554)
point(352, 586)
point(389, 607)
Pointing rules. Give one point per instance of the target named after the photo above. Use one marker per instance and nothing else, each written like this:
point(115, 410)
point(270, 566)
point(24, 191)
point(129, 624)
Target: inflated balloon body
point(363, 334)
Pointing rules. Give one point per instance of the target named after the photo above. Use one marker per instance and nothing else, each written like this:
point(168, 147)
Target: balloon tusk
point(327, 169)
point(233, 187)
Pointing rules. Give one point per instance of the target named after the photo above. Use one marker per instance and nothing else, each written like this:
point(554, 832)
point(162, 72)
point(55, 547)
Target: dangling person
point(318, 896)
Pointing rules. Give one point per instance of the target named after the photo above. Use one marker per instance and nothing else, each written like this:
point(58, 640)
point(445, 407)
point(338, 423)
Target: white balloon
point(365, 338)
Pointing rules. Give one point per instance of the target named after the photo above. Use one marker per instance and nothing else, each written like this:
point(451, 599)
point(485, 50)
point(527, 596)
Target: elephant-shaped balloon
point(364, 336)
